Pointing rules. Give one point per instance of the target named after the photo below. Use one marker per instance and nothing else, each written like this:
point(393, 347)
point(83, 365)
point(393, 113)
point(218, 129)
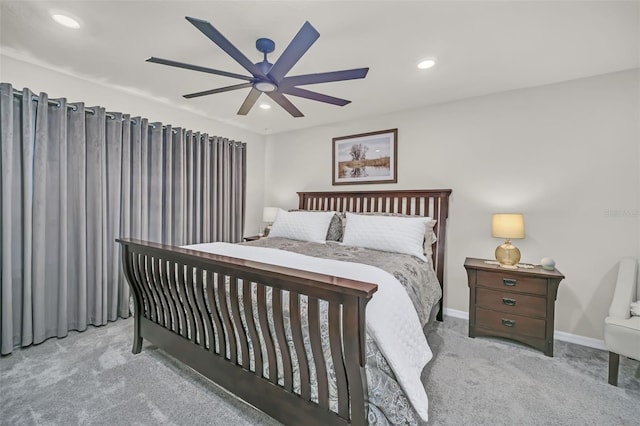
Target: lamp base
point(508, 255)
point(266, 230)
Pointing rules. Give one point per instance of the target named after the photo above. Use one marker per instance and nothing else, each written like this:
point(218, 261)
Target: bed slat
point(148, 265)
point(199, 328)
point(182, 270)
point(298, 344)
point(166, 289)
point(148, 275)
point(215, 315)
point(278, 322)
point(266, 334)
point(133, 263)
point(253, 332)
point(319, 362)
point(169, 273)
point(237, 320)
point(199, 291)
point(336, 356)
point(354, 342)
point(142, 276)
point(226, 320)
point(160, 290)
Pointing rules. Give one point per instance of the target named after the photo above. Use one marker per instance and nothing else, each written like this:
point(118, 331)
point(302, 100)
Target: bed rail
point(201, 308)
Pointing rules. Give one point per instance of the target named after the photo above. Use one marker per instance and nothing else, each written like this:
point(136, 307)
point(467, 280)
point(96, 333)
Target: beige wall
point(566, 155)
point(59, 84)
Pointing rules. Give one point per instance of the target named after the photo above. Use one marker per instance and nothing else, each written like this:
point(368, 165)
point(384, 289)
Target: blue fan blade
point(294, 51)
point(250, 100)
point(176, 64)
point(215, 36)
point(324, 77)
point(308, 94)
point(285, 103)
point(220, 90)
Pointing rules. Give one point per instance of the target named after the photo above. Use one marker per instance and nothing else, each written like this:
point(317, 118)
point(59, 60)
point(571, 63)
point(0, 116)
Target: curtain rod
point(36, 98)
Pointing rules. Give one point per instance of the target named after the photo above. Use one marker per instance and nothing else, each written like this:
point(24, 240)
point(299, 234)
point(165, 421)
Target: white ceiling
point(482, 47)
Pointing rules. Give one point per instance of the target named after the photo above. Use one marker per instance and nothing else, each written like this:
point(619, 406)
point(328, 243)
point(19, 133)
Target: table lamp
point(507, 226)
point(269, 216)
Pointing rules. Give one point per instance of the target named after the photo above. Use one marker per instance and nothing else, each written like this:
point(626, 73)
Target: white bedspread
point(391, 318)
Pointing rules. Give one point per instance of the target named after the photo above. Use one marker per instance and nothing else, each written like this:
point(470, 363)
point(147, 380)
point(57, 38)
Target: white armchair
point(621, 330)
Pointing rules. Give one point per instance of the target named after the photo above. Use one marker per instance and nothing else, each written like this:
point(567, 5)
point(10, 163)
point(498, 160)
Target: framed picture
point(366, 158)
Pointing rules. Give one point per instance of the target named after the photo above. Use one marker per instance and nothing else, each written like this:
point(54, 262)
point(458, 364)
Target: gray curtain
point(73, 180)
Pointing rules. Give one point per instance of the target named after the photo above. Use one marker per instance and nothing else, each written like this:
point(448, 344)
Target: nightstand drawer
point(512, 282)
point(512, 303)
point(509, 323)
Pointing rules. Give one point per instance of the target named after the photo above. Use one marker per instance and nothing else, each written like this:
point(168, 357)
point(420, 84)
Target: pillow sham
point(429, 234)
point(334, 233)
point(394, 234)
point(301, 225)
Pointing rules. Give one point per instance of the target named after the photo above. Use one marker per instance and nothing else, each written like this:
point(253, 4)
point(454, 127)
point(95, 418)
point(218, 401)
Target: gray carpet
point(92, 378)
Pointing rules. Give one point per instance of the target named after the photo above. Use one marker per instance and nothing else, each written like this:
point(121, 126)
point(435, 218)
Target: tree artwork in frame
point(366, 158)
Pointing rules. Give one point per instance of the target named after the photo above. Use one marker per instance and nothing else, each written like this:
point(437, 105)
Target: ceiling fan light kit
point(266, 77)
point(265, 86)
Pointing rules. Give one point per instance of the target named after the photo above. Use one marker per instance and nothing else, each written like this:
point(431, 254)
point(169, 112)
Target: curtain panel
point(73, 180)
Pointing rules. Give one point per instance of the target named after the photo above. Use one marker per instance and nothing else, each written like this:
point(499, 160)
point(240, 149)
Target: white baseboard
point(558, 335)
point(456, 313)
point(579, 340)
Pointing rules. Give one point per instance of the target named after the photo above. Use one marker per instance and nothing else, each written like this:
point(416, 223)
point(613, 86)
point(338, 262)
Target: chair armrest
point(625, 289)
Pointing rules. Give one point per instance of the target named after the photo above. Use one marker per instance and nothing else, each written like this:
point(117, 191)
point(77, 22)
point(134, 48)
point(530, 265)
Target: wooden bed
point(177, 311)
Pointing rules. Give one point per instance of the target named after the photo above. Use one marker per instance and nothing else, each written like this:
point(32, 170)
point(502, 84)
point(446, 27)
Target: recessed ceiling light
point(66, 21)
point(265, 106)
point(424, 64)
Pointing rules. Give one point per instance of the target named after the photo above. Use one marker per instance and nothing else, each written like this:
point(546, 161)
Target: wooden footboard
point(184, 305)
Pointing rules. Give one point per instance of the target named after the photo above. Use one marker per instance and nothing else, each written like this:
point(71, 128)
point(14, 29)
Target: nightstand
point(252, 238)
point(517, 304)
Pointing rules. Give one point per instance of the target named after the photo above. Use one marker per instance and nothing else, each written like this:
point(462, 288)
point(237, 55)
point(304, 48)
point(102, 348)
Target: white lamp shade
point(269, 214)
point(507, 225)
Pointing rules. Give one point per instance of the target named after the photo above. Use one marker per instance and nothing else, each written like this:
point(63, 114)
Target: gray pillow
point(334, 233)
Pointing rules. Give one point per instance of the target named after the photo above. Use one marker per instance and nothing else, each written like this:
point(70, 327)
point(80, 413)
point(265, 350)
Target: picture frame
point(365, 158)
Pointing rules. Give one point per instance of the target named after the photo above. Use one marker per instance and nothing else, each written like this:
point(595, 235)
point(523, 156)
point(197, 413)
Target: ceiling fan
point(266, 77)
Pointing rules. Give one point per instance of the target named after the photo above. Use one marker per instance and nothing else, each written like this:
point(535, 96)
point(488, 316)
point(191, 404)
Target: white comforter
point(391, 318)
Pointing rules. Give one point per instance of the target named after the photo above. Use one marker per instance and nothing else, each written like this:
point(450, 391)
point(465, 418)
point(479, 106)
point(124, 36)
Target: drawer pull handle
point(509, 282)
point(508, 322)
point(508, 302)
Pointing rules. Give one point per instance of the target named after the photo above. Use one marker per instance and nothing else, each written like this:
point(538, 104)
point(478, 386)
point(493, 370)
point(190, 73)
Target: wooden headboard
point(425, 202)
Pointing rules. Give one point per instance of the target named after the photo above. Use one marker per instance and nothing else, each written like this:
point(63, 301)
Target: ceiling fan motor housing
point(265, 45)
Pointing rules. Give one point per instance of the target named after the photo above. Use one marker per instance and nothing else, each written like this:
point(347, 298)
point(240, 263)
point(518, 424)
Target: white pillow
point(395, 234)
point(301, 225)
point(429, 235)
